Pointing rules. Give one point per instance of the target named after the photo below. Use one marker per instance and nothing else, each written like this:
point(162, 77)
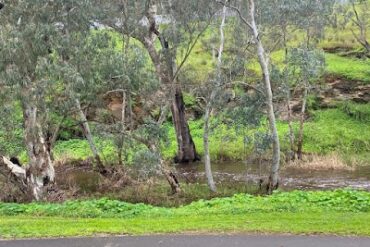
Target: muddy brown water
point(79, 178)
point(291, 178)
point(229, 172)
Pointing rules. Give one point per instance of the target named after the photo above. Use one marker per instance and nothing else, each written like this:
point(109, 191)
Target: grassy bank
point(334, 212)
point(327, 131)
point(293, 223)
point(348, 68)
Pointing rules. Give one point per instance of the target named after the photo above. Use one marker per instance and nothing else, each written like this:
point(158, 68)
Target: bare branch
point(237, 10)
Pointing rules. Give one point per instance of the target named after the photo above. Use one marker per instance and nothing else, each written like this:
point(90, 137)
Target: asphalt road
point(195, 241)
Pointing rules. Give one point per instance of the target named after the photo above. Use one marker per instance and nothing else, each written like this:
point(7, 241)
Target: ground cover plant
point(335, 212)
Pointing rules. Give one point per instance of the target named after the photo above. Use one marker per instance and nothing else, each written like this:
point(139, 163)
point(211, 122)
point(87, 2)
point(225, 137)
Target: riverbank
point(341, 212)
point(339, 131)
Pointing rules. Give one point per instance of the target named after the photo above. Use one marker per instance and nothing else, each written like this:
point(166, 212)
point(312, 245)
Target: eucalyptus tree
point(306, 66)
point(77, 66)
point(29, 30)
point(126, 76)
point(216, 87)
point(310, 17)
point(359, 14)
point(37, 43)
point(168, 30)
point(248, 15)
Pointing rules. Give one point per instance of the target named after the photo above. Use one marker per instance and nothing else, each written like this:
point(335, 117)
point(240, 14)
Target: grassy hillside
point(335, 130)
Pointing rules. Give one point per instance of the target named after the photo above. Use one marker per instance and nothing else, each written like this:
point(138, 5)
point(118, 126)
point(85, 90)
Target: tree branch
point(237, 10)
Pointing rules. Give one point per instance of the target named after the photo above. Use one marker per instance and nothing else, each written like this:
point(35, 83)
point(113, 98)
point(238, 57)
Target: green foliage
point(226, 142)
point(340, 130)
point(240, 204)
point(327, 131)
point(78, 149)
point(189, 100)
point(345, 67)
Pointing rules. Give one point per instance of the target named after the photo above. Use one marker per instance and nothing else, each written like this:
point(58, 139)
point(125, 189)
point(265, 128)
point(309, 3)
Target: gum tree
point(247, 13)
point(216, 86)
point(305, 66)
point(359, 14)
point(30, 31)
point(24, 44)
point(166, 28)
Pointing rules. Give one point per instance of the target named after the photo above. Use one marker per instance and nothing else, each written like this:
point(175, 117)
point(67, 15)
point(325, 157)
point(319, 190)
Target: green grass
point(225, 142)
point(342, 212)
point(359, 112)
point(76, 149)
point(335, 130)
point(343, 67)
point(293, 223)
point(159, 194)
point(332, 130)
point(349, 68)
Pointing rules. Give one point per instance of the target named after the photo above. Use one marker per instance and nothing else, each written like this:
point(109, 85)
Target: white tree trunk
point(41, 170)
point(264, 63)
point(207, 157)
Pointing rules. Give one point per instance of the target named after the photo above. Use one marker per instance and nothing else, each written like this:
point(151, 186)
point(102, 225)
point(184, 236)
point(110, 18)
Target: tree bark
point(88, 135)
point(123, 128)
point(41, 170)
point(170, 177)
point(165, 68)
point(207, 158)
point(186, 151)
point(301, 125)
point(214, 89)
point(291, 131)
point(264, 63)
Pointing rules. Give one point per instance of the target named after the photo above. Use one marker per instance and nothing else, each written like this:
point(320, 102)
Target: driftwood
point(16, 175)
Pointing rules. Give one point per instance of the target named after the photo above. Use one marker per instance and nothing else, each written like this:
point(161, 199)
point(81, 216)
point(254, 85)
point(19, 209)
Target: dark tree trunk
point(186, 151)
point(165, 68)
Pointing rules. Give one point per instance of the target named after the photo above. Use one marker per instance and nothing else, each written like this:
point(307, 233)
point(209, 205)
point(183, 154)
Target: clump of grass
point(360, 112)
point(321, 162)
